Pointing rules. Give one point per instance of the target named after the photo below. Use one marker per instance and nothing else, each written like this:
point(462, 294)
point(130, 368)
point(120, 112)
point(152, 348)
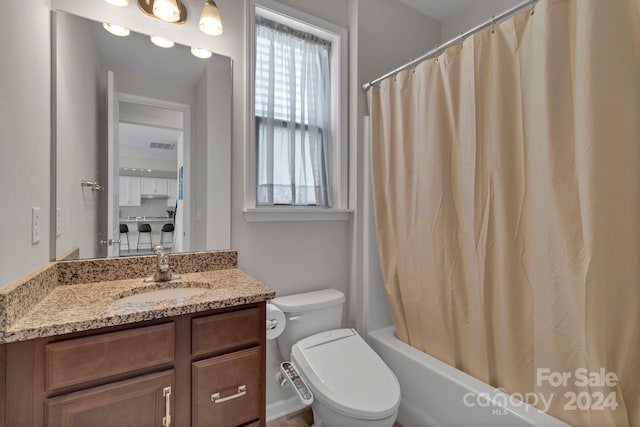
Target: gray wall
point(472, 15)
point(77, 99)
point(389, 34)
point(24, 133)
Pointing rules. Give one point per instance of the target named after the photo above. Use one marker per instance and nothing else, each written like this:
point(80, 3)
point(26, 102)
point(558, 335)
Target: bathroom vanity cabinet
point(201, 369)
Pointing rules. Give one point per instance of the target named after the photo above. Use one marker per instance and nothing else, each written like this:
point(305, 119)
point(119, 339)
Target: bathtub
point(435, 394)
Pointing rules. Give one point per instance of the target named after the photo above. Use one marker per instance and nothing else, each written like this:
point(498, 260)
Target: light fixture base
point(146, 6)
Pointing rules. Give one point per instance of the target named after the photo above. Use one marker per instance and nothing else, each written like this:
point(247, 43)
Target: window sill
point(271, 214)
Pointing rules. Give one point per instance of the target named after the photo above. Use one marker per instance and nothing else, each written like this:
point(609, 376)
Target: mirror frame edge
point(53, 126)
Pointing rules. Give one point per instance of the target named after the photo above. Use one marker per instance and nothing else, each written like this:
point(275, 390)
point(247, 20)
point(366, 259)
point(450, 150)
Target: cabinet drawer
point(227, 331)
point(227, 389)
point(86, 359)
point(136, 402)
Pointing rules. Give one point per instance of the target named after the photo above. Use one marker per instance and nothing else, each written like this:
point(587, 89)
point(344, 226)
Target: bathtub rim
point(523, 411)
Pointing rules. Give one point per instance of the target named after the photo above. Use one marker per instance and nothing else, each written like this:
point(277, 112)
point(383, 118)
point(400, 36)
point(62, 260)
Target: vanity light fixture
point(210, 21)
point(162, 42)
point(201, 53)
point(119, 3)
point(167, 10)
point(116, 30)
point(172, 11)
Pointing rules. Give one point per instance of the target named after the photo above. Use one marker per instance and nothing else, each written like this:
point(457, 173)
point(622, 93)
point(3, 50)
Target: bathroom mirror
point(143, 142)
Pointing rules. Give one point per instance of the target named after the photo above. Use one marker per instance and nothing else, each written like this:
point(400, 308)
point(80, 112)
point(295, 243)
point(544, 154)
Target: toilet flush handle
point(294, 317)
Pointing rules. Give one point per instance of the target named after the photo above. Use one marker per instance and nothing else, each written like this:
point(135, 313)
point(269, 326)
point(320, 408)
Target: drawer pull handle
point(242, 390)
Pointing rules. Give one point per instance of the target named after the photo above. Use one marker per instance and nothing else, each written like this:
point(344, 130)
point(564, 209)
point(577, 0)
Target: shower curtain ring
point(493, 24)
point(533, 7)
point(437, 52)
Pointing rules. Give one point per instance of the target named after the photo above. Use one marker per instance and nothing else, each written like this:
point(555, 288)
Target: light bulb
point(116, 30)
point(119, 3)
point(167, 10)
point(201, 53)
point(162, 42)
point(210, 21)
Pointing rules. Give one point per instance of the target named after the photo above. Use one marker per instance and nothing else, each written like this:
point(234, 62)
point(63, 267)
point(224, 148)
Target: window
point(298, 153)
point(293, 114)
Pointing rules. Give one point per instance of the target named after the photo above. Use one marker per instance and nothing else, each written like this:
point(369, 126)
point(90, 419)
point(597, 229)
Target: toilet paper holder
point(275, 321)
point(272, 324)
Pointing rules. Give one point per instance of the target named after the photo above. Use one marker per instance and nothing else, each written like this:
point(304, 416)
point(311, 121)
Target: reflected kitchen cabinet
point(130, 191)
point(154, 186)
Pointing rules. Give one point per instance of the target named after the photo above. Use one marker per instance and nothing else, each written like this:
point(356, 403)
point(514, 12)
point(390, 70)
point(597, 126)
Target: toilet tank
point(307, 314)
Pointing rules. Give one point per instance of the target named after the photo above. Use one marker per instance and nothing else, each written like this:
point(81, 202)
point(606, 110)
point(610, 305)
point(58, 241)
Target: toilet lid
point(346, 374)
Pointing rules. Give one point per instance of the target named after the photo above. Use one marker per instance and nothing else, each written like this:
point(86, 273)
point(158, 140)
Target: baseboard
point(282, 408)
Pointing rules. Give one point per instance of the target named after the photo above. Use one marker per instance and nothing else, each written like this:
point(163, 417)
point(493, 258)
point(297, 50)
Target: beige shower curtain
point(507, 199)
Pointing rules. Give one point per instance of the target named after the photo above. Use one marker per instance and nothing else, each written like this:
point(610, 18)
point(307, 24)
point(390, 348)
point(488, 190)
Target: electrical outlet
point(58, 222)
point(35, 226)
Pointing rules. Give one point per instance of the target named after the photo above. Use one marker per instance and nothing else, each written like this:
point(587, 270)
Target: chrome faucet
point(163, 272)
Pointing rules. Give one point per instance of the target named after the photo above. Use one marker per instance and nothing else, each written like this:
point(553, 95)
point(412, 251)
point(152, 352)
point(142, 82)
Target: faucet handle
point(158, 249)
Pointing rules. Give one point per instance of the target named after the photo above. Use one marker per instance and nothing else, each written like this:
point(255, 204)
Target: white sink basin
point(163, 295)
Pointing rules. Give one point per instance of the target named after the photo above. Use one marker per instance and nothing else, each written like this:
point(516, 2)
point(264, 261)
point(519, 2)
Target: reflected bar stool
point(124, 229)
point(167, 228)
point(144, 228)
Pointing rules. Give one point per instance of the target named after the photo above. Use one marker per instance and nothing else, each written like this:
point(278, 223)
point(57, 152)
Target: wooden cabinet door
point(227, 390)
point(132, 403)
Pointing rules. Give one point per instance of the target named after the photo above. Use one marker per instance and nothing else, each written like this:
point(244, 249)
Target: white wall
point(78, 71)
point(25, 134)
point(389, 34)
point(218, 119)
point(472, 15)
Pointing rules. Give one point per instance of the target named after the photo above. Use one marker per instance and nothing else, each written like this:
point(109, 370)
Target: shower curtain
point(507, 201)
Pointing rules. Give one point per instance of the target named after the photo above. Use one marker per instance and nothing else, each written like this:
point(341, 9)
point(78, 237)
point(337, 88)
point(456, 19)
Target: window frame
point(337, 173)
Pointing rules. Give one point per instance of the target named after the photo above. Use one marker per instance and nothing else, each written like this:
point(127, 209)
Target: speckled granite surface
point(17, 298)
point(98, 270)
point(53, 300)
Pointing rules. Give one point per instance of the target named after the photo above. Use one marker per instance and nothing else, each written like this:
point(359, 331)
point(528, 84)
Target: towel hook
point(94, 186)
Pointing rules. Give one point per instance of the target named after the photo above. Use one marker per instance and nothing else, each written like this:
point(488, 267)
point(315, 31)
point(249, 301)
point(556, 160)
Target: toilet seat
point(347, 375)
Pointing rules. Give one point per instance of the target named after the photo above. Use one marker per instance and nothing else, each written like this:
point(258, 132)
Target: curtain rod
point(441, 48)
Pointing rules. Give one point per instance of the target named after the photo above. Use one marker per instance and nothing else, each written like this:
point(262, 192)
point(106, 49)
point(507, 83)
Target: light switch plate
point(35, 226)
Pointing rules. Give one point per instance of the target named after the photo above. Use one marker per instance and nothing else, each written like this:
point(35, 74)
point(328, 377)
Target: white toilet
point(352, 386)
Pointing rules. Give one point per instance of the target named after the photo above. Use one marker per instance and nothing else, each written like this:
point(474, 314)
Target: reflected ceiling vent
point(162, 146)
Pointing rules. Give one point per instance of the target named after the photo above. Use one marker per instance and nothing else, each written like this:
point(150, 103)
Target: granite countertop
point(84, 300)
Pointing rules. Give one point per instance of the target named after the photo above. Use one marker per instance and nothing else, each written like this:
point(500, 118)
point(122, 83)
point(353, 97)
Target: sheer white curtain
point(292, 116)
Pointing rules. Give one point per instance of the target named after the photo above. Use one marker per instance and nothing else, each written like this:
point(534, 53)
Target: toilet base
point(323, 416)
